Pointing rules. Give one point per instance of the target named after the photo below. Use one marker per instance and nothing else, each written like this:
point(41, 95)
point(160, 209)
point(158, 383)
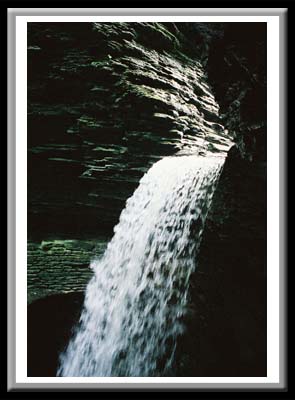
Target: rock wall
point(61, 266)
point(105, 101)
point(239, 85)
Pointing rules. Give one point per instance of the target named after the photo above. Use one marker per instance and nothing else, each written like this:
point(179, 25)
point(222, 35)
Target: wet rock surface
point(105, 101)
point(60, 266)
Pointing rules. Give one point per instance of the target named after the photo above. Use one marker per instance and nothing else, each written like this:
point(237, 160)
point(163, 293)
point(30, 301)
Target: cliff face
point(105, 101)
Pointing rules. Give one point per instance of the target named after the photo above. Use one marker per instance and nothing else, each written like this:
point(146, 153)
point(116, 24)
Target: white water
point(137, 298)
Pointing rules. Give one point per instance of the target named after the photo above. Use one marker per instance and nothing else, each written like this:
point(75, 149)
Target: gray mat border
point(11, 384)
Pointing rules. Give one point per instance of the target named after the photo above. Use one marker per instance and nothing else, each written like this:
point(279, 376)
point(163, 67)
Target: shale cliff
point(106, 101)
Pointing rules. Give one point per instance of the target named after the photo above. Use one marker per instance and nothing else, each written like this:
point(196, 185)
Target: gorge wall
point(105, 101)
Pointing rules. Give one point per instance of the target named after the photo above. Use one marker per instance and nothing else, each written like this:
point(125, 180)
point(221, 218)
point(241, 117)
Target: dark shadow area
point(226, 323)
point(50, 321)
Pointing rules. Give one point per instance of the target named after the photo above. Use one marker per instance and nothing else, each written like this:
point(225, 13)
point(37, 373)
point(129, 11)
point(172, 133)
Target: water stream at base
point(136, 301)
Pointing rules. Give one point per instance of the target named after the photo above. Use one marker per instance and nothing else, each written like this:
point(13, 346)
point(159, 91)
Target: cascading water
point(136, 300)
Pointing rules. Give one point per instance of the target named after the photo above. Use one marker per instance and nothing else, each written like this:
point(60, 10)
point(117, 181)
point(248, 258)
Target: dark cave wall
point(227, 323)
point(239, 85)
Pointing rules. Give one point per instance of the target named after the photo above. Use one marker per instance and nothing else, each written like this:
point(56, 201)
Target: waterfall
point(136, 301)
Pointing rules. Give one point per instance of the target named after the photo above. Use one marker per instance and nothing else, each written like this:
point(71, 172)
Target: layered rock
point(60, 266)
point(105, 101)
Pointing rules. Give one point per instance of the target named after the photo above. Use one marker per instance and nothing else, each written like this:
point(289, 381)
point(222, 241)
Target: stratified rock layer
point(105, 101)
point(60, 266)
